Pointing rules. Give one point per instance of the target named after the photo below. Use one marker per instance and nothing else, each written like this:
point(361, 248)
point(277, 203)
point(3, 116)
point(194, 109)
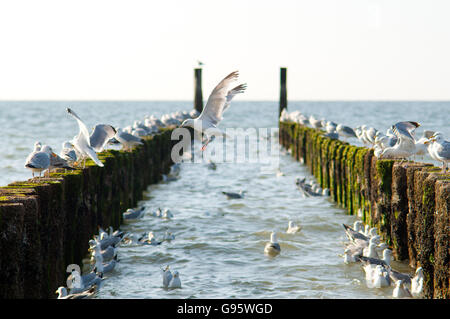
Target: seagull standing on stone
point(272, 248)
point(127, 140)
point(217, 103)
point(38, 160)
point(440, 150)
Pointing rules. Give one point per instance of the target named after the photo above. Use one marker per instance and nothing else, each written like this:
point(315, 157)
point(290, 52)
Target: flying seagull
point(217, 103)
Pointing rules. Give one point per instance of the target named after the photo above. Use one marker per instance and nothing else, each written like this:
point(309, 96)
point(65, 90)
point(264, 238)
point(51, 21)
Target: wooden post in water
point(198, 97)
point(283, 90)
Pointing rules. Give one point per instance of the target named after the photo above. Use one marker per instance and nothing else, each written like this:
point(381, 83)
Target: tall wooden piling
point(198, 96)
point(283, 90)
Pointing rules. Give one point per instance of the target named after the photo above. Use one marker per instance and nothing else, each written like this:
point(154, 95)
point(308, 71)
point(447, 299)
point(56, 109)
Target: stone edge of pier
point(46, 223)
point(409, 202)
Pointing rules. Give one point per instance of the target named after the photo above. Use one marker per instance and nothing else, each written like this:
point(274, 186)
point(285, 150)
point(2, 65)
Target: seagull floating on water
point(62, 293)
point(292, 228)
point(131, 214)
point(175, 282)
point(231, 195)
point(400, 290)
point(167, 276)
point(272, 248)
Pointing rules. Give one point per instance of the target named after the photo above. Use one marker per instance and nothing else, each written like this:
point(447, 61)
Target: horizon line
point(256, 100)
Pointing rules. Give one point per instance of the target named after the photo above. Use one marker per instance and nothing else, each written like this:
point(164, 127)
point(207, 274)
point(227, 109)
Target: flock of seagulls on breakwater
point(86, 145)
point(104, 246)
point(365, 246)
point(399, 142)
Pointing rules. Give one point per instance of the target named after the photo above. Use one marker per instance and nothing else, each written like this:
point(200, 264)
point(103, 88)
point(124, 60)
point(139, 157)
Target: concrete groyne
point(409, 202)
point(46, 223)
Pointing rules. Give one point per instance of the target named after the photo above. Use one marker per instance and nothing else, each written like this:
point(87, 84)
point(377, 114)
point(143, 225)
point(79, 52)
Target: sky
point(147, 50)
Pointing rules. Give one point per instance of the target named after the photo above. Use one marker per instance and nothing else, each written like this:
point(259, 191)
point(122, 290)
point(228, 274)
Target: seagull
point(397, 276)
point(82, 142)
point(440, 150)
point(405, 146)
point(353, 234)
point(68, 152)
point(85, 282)
point(127, 140)
point(107, 254)
point(101, 267)
point(315, 122)
point(272, 248)
point(55, 160)
point(350, 256)
point(381, 277)
point(167, 276)
point(217, 103)
point(417, 283)
point(175, 282)
point(356, 248)
point(292, 228)
point(151, 239)
point(231, 195)
point(386, 261)
point(167, 214)
point(400, 291)
point(134, 213)
point(38, 160)
point(62, 293)
point(370, 251)
point(421, 144)
point(157, 213)
point(100, 136)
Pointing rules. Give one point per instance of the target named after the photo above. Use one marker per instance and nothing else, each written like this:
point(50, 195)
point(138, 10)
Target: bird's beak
point(53, 154)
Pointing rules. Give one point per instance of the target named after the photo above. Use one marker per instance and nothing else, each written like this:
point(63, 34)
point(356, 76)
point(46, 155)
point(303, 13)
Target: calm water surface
point(218, 249)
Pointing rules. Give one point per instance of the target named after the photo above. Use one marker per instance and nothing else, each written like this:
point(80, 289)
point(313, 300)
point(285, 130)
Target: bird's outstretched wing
point(216, 101)
point(101, 135)
point(238, 89)
point(84, 132)
point(404, 129)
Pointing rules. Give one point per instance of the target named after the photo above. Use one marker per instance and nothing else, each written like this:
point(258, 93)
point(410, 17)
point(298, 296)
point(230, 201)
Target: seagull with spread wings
point(217, 103)
point(406, 145)
point(88, 145)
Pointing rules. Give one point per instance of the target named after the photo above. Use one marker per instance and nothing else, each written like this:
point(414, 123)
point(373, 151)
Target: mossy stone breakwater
point(46, 223)
point(409, 202)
